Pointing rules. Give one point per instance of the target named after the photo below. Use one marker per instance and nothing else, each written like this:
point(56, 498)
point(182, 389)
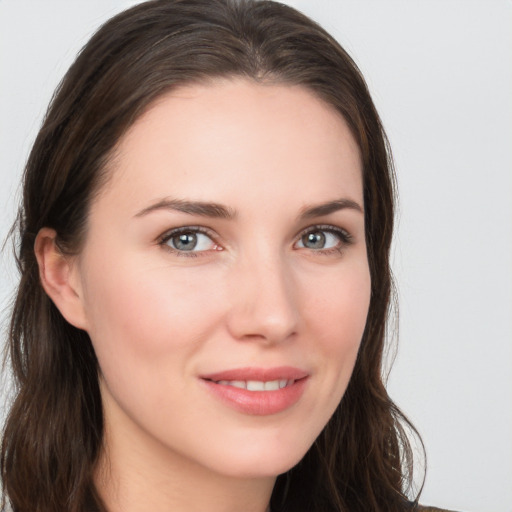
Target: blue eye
point(321, 238)
point(188, 240)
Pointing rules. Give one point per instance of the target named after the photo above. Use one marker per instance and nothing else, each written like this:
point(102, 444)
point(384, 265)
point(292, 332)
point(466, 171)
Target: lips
point(258, 391)
point(258, 374)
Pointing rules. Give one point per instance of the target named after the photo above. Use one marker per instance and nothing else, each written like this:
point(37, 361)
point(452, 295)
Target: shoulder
point(421, 508)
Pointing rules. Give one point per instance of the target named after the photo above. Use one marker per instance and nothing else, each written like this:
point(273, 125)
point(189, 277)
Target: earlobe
point(59, 278)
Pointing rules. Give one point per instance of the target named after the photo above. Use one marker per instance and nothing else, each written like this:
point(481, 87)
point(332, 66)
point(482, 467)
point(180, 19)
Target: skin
point(253, 293)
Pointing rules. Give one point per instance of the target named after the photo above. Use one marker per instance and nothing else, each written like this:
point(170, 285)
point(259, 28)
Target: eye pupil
point(314, 240)
point(185, 241)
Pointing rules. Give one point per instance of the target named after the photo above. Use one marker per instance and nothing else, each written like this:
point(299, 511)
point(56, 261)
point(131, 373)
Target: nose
point(263, 301)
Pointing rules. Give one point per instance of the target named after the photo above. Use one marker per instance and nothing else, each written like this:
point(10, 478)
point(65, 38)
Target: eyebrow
point(219, 211)
point(329, 207)
point(203, 209)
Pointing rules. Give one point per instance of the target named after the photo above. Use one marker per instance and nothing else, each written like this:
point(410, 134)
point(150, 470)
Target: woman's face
point(224, 278)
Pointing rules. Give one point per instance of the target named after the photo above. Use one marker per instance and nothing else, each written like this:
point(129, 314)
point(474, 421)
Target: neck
point(137, 473)
point(136, 489)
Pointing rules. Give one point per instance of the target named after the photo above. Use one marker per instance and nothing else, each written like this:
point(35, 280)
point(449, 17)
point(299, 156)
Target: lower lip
point(258, 403)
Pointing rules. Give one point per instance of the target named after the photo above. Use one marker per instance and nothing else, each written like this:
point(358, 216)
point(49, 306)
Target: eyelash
point(345, 239)
point(162, 241)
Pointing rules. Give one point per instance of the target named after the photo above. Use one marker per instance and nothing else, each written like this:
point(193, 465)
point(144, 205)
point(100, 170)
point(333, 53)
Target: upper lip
point(258, 374)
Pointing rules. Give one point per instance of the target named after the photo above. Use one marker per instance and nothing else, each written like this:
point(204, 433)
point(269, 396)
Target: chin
point(262, 461)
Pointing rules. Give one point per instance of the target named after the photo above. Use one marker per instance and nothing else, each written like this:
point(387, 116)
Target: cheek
point(152, 315)
point(337, 315)
point(339, 305)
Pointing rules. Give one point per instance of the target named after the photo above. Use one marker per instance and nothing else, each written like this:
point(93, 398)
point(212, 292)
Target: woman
point(204, 242)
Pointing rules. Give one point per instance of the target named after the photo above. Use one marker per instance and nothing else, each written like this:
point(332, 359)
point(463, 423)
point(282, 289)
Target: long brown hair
point(362, 460)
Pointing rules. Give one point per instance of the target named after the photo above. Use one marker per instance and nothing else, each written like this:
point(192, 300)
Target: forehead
point(236, 137)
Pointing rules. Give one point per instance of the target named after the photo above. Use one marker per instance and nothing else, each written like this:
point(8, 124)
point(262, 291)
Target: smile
point(257, 385)
point(258, 391)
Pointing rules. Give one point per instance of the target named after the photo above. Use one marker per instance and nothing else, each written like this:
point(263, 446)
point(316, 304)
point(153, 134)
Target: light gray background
point(441, 76)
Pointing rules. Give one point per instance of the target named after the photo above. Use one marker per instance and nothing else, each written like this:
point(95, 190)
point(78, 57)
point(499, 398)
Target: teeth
point(271, 385)
point(257, 385)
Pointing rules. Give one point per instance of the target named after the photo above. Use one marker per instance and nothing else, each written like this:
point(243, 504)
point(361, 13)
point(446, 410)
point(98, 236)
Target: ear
point(60, 277)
